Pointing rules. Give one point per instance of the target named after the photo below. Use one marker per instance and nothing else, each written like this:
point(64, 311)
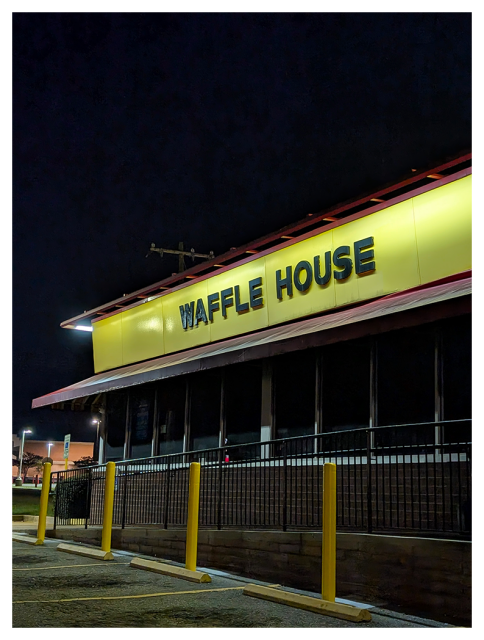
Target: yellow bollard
point(329, 532)
point(192, 524)
point(108, 506)
point(44, 501)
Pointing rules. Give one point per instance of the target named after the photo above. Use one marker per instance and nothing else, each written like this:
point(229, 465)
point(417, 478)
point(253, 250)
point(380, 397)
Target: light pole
point(18, 481)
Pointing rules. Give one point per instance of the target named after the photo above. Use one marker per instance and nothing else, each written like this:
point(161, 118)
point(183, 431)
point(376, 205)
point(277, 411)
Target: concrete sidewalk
point(51, 589)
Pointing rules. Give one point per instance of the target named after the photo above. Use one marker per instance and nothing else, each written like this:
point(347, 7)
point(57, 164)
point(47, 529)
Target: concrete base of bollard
point(334, 609)
point(170, 570)
point(25, 539)
point(98, 554)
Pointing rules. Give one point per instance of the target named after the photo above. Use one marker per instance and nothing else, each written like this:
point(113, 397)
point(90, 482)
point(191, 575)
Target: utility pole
point(181, 253)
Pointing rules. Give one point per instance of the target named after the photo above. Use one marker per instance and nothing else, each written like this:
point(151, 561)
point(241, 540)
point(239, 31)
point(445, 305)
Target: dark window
point(405, 362)
point(116, 424)
point(171, 415)
point(204, 410)
point(457, 376)
point(346, 385)
point(141, 420)
point(294, 393)
point(405, 376)
point(243, 394)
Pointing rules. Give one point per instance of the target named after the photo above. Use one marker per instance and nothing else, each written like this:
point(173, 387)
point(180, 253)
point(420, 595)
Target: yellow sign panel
point(443, 219)
point(414, 242)
point(196, 331)
point(107, 339)
point(142, 331)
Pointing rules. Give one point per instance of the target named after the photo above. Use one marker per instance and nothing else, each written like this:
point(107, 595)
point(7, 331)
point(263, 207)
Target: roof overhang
point(291, 336)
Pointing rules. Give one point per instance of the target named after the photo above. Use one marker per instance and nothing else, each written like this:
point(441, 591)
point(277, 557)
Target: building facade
point(355, 317)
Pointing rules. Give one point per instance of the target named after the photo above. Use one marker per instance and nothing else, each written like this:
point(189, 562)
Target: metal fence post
point(284, 497)
point(219, 497)
point(167, 494)
point(88, 498)
point(56, 499)
point(125, 489)
point(369, 511)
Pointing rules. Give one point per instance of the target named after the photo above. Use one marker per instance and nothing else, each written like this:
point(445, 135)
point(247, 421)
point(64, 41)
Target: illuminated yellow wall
point(417, 241)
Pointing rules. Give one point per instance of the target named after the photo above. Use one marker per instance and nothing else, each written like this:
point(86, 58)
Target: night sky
point(211, 129)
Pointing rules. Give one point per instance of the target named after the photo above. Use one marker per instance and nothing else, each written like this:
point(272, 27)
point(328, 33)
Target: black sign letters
point(300, 278)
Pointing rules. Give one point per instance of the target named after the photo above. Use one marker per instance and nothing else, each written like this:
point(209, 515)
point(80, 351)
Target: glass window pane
point(243, 395)
point(171, 415)
point(295, 393)
point(346, 385)
point(141, 421)
point(405, 376)
point(457, 376)
point(116, 424)
point(205, 410)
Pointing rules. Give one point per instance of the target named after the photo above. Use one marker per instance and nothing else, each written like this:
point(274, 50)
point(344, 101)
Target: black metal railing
point(72, 496)
point(402, 479)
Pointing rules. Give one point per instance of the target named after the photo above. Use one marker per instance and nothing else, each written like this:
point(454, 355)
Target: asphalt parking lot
point(55, 589)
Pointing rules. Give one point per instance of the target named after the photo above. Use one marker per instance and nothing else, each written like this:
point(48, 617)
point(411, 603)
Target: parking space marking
point(69, 566)
point(141, 595)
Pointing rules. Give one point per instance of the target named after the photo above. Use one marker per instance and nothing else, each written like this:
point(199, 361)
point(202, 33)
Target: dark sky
point(211, 129)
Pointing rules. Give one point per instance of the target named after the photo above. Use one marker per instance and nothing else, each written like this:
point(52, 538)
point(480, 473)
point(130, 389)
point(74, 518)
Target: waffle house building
point(353, 318)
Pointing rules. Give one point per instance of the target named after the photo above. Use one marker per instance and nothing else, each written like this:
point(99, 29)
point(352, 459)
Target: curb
point(170, 570)
point(32, 519)
point(99, 554)
point(334, 609)
point(25, 539)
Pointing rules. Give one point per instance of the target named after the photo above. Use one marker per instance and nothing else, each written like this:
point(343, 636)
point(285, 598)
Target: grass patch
point(27, 502)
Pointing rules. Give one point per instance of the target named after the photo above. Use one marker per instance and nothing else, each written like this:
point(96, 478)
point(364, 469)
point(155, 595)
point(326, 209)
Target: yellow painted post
point(108, 506)
point(328, 590)
point(192, 524)
point(66, 464)
point(44, 501)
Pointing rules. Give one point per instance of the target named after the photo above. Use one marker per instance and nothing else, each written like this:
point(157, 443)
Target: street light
point(18, 481)
point(49, 445)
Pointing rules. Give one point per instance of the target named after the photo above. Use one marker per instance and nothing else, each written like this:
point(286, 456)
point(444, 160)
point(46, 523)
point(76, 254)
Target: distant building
point(77, 450)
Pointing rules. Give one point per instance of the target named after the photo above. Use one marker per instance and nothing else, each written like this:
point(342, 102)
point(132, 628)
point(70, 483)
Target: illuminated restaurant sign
point(300, 278)
point(413, 242)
